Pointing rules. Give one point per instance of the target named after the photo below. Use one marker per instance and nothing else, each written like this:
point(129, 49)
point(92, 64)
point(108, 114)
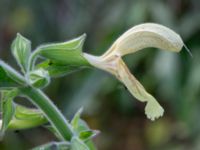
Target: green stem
point(52, 113)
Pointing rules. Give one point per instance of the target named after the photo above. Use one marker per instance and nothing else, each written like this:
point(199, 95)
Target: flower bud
point(39, 78)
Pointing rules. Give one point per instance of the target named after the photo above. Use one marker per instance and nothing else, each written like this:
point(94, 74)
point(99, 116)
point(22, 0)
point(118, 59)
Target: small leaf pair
point(83, 134)
point(82, 138)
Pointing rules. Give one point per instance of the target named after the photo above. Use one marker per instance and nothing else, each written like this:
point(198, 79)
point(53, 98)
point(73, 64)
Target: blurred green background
point(174, 79)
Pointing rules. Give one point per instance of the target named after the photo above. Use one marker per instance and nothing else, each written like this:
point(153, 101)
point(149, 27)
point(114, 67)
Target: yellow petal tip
point(153, 110)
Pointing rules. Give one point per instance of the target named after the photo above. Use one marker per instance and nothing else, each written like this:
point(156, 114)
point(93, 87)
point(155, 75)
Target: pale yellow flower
point(137, 38)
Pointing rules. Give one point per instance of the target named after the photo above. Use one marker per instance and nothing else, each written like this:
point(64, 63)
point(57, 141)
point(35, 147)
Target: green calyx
point(25, 118)
point(15, 116)
point(67, 53)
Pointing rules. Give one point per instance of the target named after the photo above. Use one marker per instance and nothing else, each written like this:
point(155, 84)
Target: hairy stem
point(52, 113)
point(32, 59)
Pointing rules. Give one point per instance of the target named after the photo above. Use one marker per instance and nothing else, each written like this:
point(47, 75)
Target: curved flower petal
point(118, 68)
point(143, 36)
point(153, 109)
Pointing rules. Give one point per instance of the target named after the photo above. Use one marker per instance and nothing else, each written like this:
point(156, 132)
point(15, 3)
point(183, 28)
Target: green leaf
point(54, 146)
point(21, 50)
point(57, 70)
point(39, 78)
point(82, 126)
point(87, 134)
point(77, 144)
point(8, 108)
point(75, 120)
point(66, 53)
point(79, 125)
point(9, 78)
